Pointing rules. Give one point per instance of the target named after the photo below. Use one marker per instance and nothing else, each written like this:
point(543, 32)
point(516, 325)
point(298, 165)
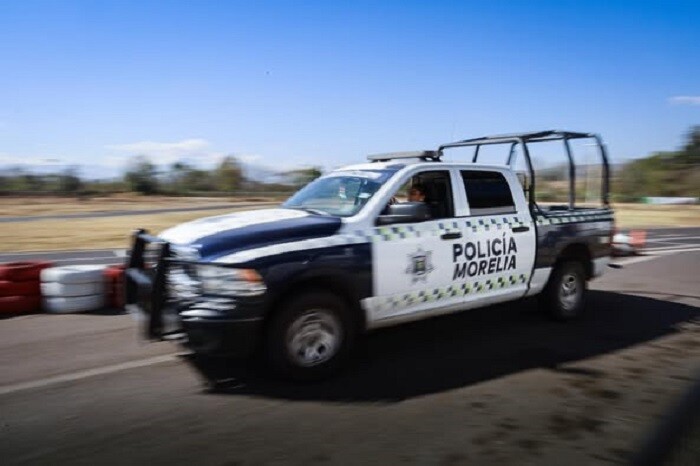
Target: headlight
point(229, 281)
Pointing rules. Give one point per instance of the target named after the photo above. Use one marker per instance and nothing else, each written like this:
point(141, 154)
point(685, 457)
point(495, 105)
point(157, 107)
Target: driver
point(416, 193)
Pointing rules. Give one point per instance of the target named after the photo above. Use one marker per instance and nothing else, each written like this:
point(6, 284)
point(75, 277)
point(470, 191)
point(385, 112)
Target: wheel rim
point(314, 338)
point(569, 292)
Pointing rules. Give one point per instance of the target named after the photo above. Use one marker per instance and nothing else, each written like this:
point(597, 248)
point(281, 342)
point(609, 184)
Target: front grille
point(181, 285)
point(151, 255)
point(182, 281)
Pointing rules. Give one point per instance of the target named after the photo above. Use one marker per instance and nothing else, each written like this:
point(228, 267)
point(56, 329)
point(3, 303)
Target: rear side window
point(488, 193)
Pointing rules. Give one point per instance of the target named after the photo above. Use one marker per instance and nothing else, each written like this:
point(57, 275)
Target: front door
point(412, 262)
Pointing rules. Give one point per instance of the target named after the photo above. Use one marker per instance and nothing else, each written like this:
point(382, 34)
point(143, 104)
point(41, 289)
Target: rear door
point(494, 258)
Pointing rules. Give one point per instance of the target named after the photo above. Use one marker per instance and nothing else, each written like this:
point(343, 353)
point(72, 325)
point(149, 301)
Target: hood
point(225, 234)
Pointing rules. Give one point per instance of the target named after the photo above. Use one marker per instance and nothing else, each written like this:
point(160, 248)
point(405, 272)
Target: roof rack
point(523, 139)
point(425, 155)
point(539, 136)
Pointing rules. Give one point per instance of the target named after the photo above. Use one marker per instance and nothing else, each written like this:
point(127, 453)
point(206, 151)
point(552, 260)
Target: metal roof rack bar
point(524, 139)
point(539, 136)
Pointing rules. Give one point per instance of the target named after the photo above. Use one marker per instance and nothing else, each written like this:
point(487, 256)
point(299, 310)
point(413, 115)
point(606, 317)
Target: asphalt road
point(86, 256)
point(500, 385)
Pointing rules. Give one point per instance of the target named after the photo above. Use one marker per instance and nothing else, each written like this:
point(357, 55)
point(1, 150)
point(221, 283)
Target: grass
point(14, 206)
point(110, 232)
point(650, 216)
point(114, 232)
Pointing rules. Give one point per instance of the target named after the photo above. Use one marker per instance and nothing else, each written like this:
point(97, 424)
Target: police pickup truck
point(343, 256)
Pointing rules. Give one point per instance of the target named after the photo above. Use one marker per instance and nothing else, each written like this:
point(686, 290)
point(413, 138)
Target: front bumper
point(222, 336)
point(207, 324)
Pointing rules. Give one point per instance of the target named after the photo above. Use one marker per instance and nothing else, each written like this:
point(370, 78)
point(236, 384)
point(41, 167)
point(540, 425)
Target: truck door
point(494, 258)
point(411, 264)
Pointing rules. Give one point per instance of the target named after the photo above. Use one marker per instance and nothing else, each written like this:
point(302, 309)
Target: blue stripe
point(265, 234)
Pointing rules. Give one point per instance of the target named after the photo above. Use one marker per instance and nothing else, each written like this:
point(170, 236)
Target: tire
point(72, 274)
point(22, 271)
point(20, 304)
point(27, 288)
point(318, 322)
point(67, 290)
point(564, 297)
point(69, 305)
point(114, 272)
point(114, 280)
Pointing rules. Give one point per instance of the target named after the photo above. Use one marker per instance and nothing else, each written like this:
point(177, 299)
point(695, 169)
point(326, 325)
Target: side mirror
point(406, 212)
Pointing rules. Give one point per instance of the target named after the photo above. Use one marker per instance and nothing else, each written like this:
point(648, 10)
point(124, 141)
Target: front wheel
point(310, 337)
point(565, 294)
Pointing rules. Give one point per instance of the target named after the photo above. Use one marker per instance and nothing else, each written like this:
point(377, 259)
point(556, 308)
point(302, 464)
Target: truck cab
point(349, 253)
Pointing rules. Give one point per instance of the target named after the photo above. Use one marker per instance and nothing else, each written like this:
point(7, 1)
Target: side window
point(432, 187)
point(488, 193)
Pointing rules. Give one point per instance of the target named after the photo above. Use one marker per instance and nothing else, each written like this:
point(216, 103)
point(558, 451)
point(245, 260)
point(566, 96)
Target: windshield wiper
point(313, 211)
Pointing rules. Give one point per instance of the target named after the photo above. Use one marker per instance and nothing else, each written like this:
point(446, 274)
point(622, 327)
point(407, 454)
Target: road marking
point(111, 260)
point(673, 251)
point(653, 254)
point(687, 247)
point(671, 239)
point(57, 252)
point(7, 389)
point(635, 260)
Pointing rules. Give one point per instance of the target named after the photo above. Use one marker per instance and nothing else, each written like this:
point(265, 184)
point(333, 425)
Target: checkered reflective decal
point(403, 300)
point(417, 230)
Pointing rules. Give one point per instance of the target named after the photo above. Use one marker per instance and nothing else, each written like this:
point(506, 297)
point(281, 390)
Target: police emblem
point(419, 265)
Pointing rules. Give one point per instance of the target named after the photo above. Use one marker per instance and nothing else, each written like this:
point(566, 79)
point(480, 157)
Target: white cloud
point(248, 158)
point(147, 147)
point(194, 150)
point(685, 100)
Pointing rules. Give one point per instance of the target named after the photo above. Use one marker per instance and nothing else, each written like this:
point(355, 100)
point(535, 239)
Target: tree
point(69, 181)
point(142, 176)
point(178, 175)
point(34, 183)
point(198, 180)
point(691, 150)
point(663, 173)
point(229, 175)
point(303, 176)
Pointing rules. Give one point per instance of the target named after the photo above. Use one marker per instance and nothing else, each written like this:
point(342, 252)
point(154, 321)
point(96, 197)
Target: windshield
point(341, 193)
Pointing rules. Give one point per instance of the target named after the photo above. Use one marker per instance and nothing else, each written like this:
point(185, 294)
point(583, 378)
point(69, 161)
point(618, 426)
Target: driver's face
point(415, 195)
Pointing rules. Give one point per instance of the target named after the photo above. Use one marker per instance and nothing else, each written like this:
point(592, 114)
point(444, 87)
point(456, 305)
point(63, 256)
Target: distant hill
point(674, 173)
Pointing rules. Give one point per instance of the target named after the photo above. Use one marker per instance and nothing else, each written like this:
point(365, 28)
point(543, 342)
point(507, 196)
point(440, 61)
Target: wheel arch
point(577, 252)
point(335, 282)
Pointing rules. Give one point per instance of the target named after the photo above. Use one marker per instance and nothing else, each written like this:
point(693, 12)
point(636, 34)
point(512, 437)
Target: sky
point(300, 83)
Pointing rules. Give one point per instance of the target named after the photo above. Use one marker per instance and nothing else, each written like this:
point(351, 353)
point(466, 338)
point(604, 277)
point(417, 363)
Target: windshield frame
point(380, 176)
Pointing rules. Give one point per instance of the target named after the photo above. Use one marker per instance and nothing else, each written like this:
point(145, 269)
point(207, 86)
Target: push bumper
point(208, 324)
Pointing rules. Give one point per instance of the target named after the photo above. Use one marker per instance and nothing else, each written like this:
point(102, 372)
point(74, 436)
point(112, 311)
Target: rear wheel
point(565, 294)
point(310, 337)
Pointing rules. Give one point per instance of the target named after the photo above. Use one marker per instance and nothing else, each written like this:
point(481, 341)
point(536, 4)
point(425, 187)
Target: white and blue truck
point(299, 283)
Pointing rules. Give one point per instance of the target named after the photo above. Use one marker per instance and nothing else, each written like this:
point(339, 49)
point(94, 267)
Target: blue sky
point(297, 83)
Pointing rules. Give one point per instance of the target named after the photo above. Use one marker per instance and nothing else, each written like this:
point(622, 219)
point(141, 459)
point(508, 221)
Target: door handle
point(520, 229)
point(452, 235)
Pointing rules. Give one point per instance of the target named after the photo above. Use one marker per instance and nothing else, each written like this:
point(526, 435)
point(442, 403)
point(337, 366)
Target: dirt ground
point(12, 206)
point(113, 232)
point(89, 233)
